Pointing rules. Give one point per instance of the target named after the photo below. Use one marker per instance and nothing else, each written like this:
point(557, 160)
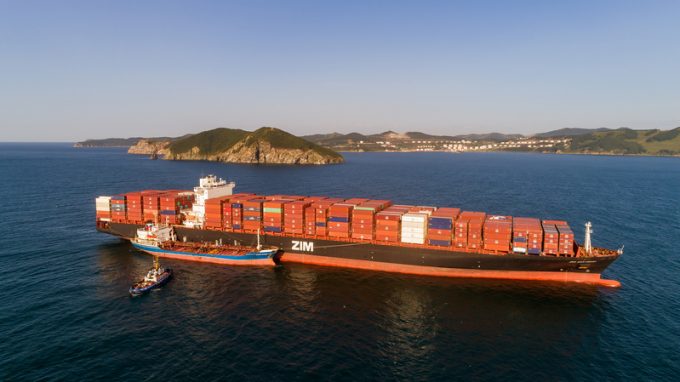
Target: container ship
point(363, 233)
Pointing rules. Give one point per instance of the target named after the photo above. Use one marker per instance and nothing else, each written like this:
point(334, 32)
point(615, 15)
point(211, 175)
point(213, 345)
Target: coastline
point(521, 152)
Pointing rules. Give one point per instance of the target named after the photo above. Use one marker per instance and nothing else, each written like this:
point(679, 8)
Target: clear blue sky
point(71, 70)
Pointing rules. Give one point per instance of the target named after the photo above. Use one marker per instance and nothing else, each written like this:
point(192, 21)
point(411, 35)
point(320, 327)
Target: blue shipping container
point(440, 223)
point(320, 224)
point(236, 205)
point(165, 212)
point(237, 226)
point(272, 229)
point(441, 243)
point(338, 219)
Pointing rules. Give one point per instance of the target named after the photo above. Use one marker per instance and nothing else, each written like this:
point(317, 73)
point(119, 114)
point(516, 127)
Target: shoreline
point(519, 152)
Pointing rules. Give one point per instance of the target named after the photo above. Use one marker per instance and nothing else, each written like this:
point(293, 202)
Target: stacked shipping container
point(550, 239)
point(171, 203)
point(294, 216)
point(151, 205)
point(339, 215)
point(527, 236)
point(468, 232)
point(118, 209)
point(498, 233)
point(414, 227)
point(440, 226)
point(252, 215)
point(356, 218)
point(272, 215)
point(214, 212)
point(565, 237)
point(103, 208)
point(363, 218)
point(133, 203)
point(388, 223)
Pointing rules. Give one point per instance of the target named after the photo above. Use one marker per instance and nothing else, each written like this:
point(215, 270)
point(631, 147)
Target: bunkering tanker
point(364, 234)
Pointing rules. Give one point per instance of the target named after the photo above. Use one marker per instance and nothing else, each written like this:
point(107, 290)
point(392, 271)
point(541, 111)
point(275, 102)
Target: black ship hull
point(404, 259)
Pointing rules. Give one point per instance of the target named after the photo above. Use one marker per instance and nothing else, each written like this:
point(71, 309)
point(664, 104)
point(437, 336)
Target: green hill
point(209, 142)
point(265, 145)
point(628, 141)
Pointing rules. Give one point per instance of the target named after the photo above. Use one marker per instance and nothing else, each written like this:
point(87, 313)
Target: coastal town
point(462, 145)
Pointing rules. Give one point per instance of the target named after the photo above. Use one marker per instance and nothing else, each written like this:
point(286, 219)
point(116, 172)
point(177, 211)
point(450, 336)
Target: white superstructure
point(208, 187)
point(152, 234)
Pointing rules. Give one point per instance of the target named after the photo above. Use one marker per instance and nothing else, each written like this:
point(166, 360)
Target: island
point(267, 145)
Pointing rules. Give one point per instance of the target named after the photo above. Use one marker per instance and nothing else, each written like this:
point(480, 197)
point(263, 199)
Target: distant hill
point(335, 139)
point(569, 132)
point(628, 141)
point(121, 142)
point(493, 137)
point(266, 145)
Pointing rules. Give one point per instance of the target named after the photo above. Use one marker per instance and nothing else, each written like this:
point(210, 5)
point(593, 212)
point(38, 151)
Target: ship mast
point(587, 245)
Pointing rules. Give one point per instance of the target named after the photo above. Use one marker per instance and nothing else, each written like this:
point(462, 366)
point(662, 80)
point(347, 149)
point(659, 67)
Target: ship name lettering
point(307, 246)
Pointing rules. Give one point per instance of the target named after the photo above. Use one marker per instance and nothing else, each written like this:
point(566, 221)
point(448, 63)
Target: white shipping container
point(412, 240)
point(407, 229)
point(519, 249)
point(103, 203)
point(414, 217)
point(413, 228)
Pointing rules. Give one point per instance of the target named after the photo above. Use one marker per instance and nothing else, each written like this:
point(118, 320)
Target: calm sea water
point(65, 312)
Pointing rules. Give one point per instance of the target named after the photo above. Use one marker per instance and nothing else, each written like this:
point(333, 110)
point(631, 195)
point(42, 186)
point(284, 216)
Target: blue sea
point(65, 313)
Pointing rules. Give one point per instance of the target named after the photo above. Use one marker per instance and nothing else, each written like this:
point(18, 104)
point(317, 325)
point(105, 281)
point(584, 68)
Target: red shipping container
point(440, 236)
point(338, 226)
point(388, 237)
point(555, 222)
point(362, 236)
point(340, 210)
point(355, 201)
point(341, 234)
point(449, 212)
point(437, 231)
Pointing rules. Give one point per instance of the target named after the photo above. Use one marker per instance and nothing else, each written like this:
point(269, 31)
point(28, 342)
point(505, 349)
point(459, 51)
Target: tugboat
point(155, 278)
point(162, 242)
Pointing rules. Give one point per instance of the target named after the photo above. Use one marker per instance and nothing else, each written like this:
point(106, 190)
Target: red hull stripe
point(586, 278)
point(213, 260)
